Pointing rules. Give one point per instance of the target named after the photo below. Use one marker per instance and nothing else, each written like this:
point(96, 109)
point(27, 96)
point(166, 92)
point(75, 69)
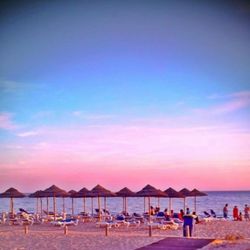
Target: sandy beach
point(229, 235)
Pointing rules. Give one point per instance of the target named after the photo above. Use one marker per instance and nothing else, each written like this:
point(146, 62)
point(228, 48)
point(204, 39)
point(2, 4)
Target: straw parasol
point(196, 193)
point(186, 193)
point(71, 194)
point(38, 194)
point(124, 193)
point(12, 193)
point(171, 193)
point(83, 193)
point(99, 191)
point(150, 191)
point(54, 192)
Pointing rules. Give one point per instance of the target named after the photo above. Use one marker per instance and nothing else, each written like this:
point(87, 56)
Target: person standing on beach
point(246, 212)
point(225, 211)
point(236, 213)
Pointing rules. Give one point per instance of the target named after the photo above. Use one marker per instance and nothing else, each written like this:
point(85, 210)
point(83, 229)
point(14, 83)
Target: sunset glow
point(125, 95)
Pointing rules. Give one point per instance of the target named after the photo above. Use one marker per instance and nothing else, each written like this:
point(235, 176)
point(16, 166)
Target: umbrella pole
point(144, 204)
point(149, 214)
point(105, 203)
point(37, 204)
point(63, 204)
point(41, 205)
point(158, 201)
point(92, 205)
point(184, 204)
point(72, 200)
point(84, 204)
point(11, 206)
point(169, 204)
point(99, 209)
point(125, 205)
point(54, 206)
point(47, 205)
point(195, 204)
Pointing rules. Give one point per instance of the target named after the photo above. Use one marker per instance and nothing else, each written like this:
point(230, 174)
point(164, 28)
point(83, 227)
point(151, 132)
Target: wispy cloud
point(239, 94)
point(8, 86)
point(28, 133)
point(232, 102)
point(6, 121)
point(230, 106)
point(86, 116)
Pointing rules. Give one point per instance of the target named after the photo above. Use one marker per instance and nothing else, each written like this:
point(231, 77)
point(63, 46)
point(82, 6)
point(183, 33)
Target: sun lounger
point(133, 222)
point(213, 213)
point(3, 218)
point(63, 223)
point(138, 217)
point(104, 224)
point(207, 215)
point(171, 225)
point(156, 225)
point(120, 220)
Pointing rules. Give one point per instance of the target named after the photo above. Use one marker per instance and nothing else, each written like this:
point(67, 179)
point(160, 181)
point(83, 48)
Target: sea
point(214, 200)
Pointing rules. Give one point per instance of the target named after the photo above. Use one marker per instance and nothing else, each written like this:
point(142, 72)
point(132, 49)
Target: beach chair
point(13, 219)
point(120, 220)
point(133, 222)
point(207, 215)
point(86, 217)
point(171, 225)
point(138, 217)
point(213, 214)
point(3, 218)
point(156, 225)
point(67, 222)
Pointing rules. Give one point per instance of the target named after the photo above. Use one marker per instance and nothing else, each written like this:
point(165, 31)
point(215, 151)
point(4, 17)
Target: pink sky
point(115, 156)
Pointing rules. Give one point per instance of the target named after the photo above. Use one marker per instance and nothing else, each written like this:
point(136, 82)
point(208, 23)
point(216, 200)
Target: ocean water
point(215, 200)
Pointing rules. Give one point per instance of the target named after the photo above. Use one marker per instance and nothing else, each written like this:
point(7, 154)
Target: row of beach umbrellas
point(98, 191)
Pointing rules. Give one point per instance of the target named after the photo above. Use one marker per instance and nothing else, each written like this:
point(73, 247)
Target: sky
point(125, 93)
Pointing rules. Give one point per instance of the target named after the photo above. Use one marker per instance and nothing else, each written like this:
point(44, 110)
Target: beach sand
point(88, 236)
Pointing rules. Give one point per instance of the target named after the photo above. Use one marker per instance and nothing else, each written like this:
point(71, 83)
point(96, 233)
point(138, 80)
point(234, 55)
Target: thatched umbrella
point(186, 193)
point(12, 193)
point(196, 193)
point(124, 193)
point(150, 191)
point(171, 193)
point(71, 194)
point(99, 191)
point(54, 192)
point(38, 194)
point(83, 193)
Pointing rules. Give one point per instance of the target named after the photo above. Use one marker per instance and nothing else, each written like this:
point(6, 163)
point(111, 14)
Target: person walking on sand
point(225, 211)
point(246, 212)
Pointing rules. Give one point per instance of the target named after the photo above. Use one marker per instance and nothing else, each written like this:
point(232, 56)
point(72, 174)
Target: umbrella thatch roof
point(185, 192)
point(196, 192)
point(72, 193)
point(37, 194)
point(99, 191)
point(12, 193)
point(150, 191)
point(55, 191)
point(171, 193)
point(84, 192)
point(125, 192)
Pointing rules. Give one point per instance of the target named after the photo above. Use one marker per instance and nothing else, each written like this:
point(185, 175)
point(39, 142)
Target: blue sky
point(113, 65)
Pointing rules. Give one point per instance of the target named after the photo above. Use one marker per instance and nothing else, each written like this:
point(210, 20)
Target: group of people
point(172, 215)
point(237, 215)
